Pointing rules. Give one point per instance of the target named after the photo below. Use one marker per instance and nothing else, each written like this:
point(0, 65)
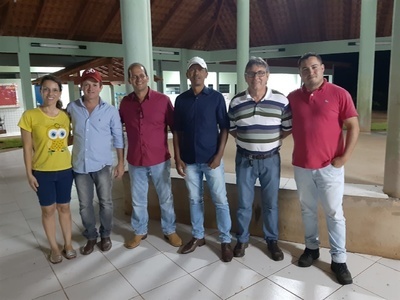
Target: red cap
point(91, 73)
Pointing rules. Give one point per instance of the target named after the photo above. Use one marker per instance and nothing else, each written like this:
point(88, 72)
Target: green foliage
point(382, 126)
point(7, 143)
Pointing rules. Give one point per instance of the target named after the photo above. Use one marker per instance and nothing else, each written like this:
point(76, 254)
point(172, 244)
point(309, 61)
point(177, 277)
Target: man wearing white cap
point(97, 129)
point(201, 127)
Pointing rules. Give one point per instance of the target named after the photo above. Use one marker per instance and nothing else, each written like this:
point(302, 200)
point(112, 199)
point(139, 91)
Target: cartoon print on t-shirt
point(57, 136)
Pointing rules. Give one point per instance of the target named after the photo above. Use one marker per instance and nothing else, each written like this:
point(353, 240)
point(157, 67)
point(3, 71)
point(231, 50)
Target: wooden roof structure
point(201, 25)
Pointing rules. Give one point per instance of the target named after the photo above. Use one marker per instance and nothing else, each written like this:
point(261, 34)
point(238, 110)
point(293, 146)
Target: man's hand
point(119, 171)
point(215, 162)
point(180, 168)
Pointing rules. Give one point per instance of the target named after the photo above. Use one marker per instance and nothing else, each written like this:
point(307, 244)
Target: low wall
point(372, 223)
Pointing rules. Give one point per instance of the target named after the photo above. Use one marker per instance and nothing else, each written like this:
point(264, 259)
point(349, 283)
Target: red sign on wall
point(8, 95)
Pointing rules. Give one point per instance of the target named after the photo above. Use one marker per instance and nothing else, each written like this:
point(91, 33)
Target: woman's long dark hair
point(59, 103)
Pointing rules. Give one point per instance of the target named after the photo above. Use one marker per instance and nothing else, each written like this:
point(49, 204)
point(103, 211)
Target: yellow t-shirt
point(49, 138)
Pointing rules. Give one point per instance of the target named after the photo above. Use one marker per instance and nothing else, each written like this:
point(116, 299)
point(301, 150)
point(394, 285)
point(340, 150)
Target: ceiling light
point(376, 43)
point(58, 46)
point(165, 52)
point(268, 50)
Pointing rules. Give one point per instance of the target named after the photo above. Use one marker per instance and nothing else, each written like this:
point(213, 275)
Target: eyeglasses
point(254, 74)
point(137, 77)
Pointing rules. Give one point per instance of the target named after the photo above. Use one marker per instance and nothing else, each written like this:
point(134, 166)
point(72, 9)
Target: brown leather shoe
point(226, 252)
point(88, 248)
point(276, 252)
point(135, 241)
point(239, 249)
point(191, 246)
point(105, 244)
point(173, 239)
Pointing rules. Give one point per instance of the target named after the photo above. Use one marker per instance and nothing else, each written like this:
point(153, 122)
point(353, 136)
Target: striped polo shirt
point(258, 125)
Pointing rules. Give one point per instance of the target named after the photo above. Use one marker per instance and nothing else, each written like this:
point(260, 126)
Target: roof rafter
point(114, 14)
point(79, 16)
point(187, 33)
point(167, 19)
point(5, 16)
point(39, 16)
point(267, 21)
point(216, 23)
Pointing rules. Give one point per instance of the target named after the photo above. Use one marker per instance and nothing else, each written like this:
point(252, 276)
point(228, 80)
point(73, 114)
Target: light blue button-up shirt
point(95, 135)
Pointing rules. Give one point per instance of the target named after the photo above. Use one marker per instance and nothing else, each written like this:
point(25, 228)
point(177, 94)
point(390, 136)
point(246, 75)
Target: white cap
point(197, 61)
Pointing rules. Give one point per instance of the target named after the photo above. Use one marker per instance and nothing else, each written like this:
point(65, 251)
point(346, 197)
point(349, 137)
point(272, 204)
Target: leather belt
point(264, 155)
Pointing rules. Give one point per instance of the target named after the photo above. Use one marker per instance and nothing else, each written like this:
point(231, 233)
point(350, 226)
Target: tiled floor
point(155, 270)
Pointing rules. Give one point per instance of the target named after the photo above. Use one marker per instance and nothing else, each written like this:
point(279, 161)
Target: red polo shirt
point(146, 127)
point(317, 124)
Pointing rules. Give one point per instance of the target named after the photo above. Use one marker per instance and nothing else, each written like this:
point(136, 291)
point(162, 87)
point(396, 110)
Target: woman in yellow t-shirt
point(44, 132)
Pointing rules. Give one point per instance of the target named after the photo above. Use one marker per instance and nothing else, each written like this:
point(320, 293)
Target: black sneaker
point(342, 273)
point(307, 258)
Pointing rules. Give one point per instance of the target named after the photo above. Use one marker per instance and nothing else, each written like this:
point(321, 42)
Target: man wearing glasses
point(201, 127)
point(260, 118)
point(147, 115)
point(320, 109)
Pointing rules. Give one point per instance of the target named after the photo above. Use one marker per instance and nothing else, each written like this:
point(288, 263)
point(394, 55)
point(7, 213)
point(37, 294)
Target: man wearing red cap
point(96, 130)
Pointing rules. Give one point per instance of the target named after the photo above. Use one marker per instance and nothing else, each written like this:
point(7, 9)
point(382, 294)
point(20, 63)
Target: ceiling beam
point(6, 16)
point(112, 17)
point(79, 16)
point(39, 16)
point(167, 19)
point(216, 23)
point(266, 17)
point(187, 35)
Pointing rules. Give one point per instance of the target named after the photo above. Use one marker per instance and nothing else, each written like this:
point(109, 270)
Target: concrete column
point(158, 69)
point(182, 74)
point(25, 75)
point(391, 181)
point(217, 81)
point(73, 92)
point(243, 41)
point(366, 63)
point(136, 36)
point(112, 95)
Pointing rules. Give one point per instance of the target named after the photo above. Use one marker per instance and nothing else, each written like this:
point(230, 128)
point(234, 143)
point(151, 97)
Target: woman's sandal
point(55, 258)
point(69, 254)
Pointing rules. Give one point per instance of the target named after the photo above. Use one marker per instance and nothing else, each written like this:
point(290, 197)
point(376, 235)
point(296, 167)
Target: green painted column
point(136, 36)
point(366, 63)
point(73, 91)
point(25, 75)
point(182, 74)
point(243, 41)
point(391, 180)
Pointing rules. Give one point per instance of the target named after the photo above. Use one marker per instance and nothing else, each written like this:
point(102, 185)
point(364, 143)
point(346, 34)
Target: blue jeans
point(268, 172)
point(85, 184)
point(160, 175)
point(216, 184)
point(327, 185)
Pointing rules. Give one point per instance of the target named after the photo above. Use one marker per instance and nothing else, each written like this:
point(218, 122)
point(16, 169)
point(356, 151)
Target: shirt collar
point(101, 102)
point(205, 90)
point(149, 92)
point(321, 87)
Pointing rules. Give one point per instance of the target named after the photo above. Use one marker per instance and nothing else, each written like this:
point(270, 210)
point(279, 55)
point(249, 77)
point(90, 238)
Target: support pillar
point(391, 180)
point(136, 36)
point(243, 41)
point(366, 63)
point(25, 75)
